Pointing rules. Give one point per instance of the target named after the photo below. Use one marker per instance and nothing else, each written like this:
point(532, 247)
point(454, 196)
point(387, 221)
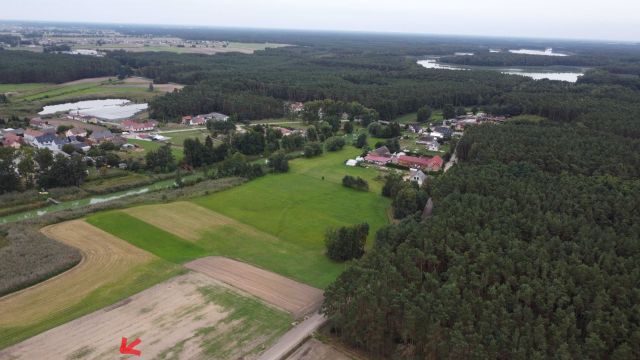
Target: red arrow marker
point(129, 349)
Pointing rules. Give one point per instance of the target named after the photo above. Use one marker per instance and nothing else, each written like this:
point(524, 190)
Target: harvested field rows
point(297, 298)
point(182, 318)
point(106, 259)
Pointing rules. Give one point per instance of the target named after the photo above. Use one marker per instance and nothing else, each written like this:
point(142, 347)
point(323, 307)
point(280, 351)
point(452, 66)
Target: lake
point(109, 109)
point(537, 74)
point(546, 52)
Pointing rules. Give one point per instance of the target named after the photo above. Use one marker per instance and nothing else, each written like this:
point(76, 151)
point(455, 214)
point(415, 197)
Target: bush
point(355, 183)
point(312, 149)
point(334, 143)
point(278, 162)
point(346, 243)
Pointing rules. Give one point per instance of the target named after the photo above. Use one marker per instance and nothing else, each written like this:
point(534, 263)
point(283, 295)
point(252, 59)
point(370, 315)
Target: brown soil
point(292, 296)
point(164, 317)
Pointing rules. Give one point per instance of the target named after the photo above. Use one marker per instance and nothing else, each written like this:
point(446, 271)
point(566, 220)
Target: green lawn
point(178, 137)
point(178, 153)
point(158, 242)
point(290, 212)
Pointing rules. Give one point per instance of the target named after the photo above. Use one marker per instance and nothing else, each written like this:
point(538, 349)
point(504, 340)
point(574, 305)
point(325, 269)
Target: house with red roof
point(372, 158)
point(424, 163)
point(11, 140)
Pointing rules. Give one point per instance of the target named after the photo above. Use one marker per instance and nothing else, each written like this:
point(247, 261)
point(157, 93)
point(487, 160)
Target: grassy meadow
point(276, 222)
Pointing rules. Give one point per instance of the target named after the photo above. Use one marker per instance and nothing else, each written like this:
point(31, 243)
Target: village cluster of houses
point(382, 157)
point(42, 135)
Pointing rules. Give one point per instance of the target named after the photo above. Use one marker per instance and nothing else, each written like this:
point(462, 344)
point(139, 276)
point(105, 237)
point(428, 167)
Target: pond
point(109, 109)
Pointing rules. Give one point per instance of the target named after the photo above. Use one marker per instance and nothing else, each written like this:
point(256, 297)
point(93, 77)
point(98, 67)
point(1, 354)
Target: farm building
point(372, 158)
point(430, 164)
point(133, 126)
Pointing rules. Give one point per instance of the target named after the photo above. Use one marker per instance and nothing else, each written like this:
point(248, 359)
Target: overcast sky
point(579, 19)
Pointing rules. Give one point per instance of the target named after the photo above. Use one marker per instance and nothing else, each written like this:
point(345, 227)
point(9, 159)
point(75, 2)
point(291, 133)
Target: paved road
point(293, 338)
point(181, 130)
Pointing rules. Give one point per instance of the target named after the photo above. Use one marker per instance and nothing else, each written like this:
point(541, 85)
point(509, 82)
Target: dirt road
point(293, 338)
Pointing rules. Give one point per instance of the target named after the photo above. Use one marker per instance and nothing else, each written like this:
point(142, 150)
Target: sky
point(565, 19)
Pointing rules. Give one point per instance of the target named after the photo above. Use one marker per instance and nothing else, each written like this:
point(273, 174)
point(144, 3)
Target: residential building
point(214, 116)
point(30, 136)
point(50, 141)
point(199, 120)
point(296, 107)
point(11, 140)
point(76, 132)
point(133, 126)
point(442, 132)
point(98, 137)
point(417, 176)
point(382, 151)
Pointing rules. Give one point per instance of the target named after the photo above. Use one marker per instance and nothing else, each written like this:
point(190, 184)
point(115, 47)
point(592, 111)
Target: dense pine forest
point(531, 252)
point(28, 67)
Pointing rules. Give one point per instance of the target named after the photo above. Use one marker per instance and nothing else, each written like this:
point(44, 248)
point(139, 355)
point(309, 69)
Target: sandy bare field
point(297, 298)
point(169, 318)
point(313, 349)
point(187, 220)
point(106, 259)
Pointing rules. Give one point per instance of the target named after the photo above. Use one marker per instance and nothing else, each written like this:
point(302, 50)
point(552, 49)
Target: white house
point(417, 176)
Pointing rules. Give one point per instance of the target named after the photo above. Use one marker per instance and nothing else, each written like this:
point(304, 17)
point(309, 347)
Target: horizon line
point(371, 32)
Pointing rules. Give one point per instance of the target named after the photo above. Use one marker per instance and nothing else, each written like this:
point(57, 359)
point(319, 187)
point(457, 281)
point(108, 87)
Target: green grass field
point(5, 88)
point(177, 151)
point(178, 137)
point(412, 117)
point(289, 212)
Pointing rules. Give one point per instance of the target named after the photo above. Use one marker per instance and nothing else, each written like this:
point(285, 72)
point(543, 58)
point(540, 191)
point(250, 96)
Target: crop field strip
point(292, 296)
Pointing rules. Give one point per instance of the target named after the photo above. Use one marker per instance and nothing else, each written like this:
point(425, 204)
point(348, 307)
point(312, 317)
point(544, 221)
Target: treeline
point(531, 252)
point(25, 170)
point(28, 67)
